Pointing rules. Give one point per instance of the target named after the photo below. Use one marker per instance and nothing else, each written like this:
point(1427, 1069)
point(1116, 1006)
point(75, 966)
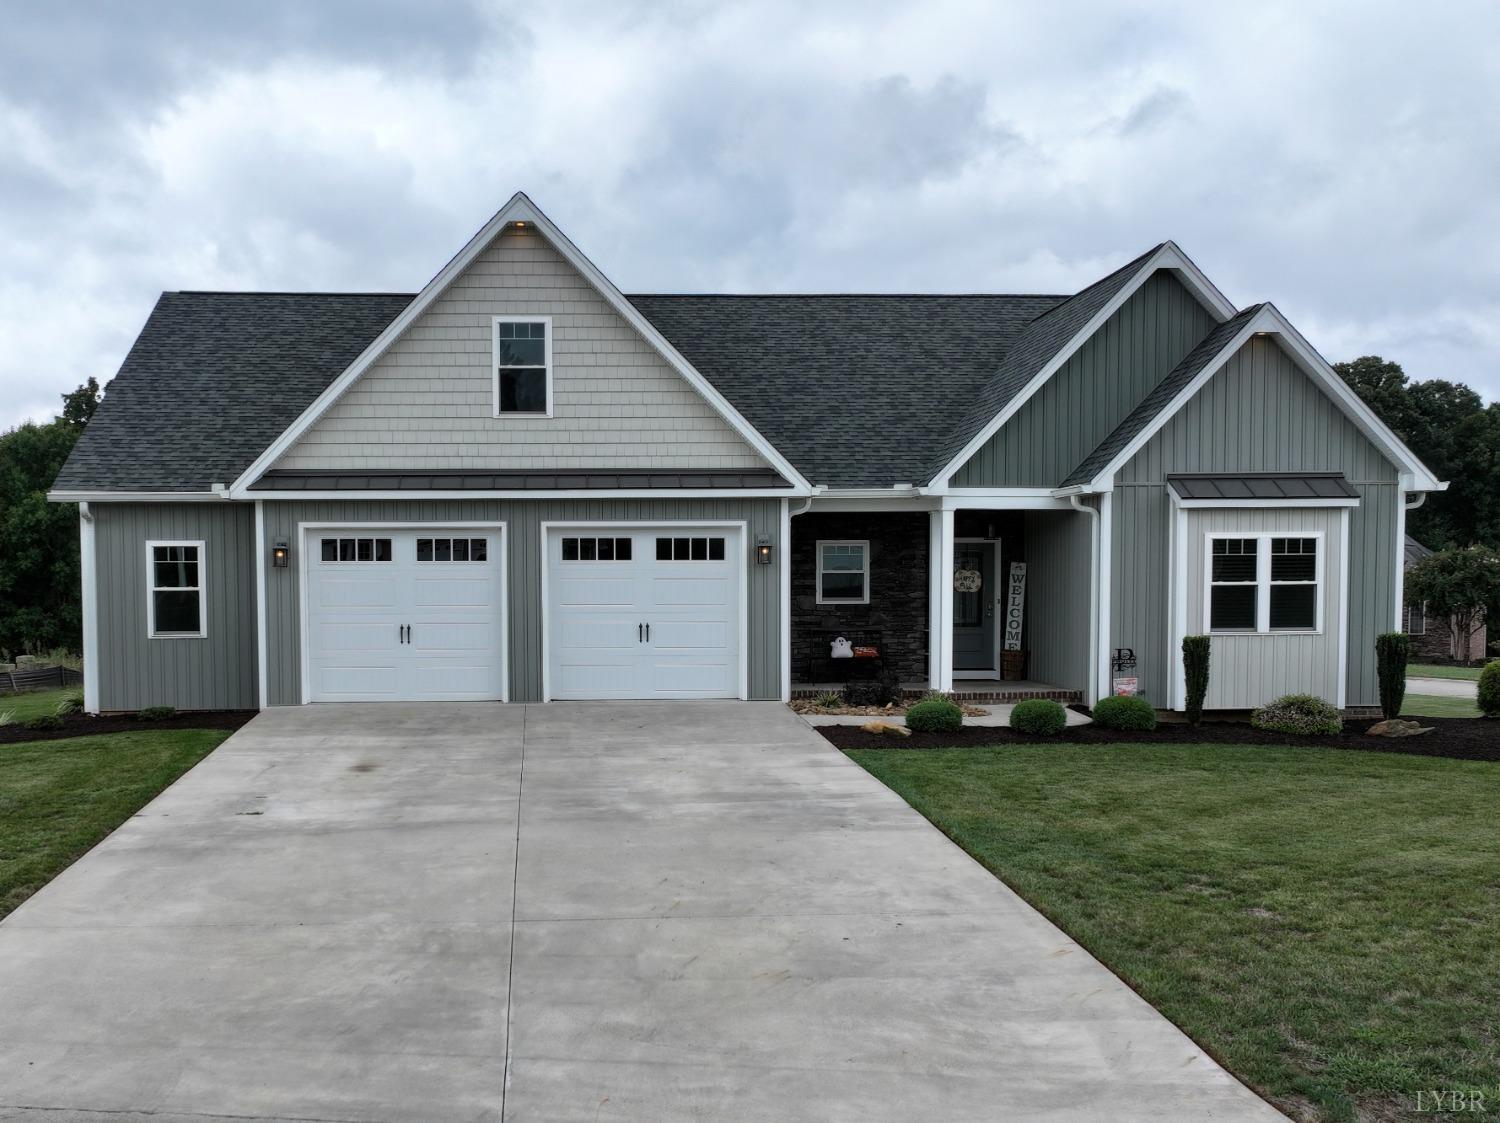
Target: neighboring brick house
point(1434, 637)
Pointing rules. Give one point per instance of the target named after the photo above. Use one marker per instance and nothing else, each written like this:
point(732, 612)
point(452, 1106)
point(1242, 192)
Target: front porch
point(922, 594)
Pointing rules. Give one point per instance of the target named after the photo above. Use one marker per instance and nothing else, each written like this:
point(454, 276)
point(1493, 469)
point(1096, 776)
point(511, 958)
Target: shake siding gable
point(1094, 390)
point(427, 403)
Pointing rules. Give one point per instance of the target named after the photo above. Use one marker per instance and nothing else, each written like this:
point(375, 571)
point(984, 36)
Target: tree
point(1460, 585)
point(39, 577)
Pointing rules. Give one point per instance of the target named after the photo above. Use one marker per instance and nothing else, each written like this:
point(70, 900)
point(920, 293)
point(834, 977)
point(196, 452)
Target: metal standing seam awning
point(1262, 485)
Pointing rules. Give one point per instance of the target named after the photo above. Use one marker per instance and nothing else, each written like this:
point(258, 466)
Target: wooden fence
point(39, 678)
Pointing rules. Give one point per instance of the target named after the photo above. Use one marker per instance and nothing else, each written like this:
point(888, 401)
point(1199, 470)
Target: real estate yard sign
point(1015, 605)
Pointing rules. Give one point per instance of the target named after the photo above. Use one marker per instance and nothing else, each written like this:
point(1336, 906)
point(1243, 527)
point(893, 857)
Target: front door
point(974, 595)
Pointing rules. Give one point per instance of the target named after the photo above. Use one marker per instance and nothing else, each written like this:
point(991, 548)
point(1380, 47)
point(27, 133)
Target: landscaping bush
point(1195, 673)
point(71, 703)
point(45, 721)
point(874, 692)
point(829, 700)
point(155, 713)
point(1038, 716)
point(1301, 714)
point(1392, 650)
point(1489, 690)
point(1124, 713)
point(935, 715)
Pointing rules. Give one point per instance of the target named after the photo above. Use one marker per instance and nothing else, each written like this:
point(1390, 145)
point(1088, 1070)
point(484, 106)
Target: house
point(1433, 637)
point(521, 484)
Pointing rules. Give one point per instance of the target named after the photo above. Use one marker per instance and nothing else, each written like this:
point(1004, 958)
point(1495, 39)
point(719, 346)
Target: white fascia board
point(580, 493)
point(135, 497)
point(1167, 257)
point(519, 209)
point(822, 504)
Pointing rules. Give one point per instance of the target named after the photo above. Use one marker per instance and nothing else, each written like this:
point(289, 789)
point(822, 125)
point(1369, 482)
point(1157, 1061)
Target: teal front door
point(974, 595)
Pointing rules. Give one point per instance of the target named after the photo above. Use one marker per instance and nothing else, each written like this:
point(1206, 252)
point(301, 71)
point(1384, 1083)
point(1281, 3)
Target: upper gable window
point(523, 365)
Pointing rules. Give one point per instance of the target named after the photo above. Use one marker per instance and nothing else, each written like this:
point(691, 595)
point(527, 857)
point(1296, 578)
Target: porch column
point(940, 600)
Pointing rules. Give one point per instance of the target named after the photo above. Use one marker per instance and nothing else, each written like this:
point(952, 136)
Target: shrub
point(1124, 713)
point(1195, 674)
point(45, 721)
point(829, 699)
point(72, 703)
point(1301, 714)
point(935, 715)
point(155, 713)
point(1391, 653)
point(1038, 716)
point(1489, 690)
point(7, 717)
point(873, 692)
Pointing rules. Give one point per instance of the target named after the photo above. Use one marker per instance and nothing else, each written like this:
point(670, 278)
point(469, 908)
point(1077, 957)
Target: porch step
point(996, 693)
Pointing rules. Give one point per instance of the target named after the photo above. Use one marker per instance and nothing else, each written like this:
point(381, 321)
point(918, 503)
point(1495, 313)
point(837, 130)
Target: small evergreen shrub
point(1124, 713)
point(1195, 674)
point(1489, 690)
point(155, 713)
point(934, 715)
point(45, 721)
point(1038, 716)
point(1303, 715)
point(1392, 650)
point(829, 700)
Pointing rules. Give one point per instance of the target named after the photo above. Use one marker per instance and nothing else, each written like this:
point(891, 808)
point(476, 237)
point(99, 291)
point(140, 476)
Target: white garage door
point(644, 612)
point(404, 615)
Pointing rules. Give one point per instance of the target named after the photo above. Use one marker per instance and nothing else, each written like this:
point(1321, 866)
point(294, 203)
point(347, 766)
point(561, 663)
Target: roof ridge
point(282, 292)
point(847, 295)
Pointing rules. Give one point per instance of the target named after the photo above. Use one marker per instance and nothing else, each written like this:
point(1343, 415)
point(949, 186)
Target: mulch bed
point(1461, 738)
point(82, 725)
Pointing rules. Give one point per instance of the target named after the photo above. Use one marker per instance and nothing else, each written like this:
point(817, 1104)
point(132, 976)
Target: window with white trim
point(1265, 583)
point(175, 607)
point(843, 573)
point(523, 365)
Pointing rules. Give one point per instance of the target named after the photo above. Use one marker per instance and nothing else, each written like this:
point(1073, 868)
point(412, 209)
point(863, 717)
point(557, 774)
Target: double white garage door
point(417, 614)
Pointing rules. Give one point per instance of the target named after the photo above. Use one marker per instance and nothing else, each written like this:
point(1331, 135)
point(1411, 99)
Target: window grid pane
point(842, 571)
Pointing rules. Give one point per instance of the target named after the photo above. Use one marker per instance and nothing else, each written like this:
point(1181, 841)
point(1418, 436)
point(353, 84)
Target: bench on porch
point(820, 658)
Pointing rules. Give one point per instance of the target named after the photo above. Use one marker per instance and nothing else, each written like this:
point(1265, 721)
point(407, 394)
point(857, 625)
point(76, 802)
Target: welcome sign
point(1015, 605)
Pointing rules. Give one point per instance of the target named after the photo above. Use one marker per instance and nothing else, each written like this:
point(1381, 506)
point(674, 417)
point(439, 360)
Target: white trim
point(518, 209)
point(495, 322)
point(579, 493)
point(741, 526)
point(1177, 687)
point(1003, 499)
point(259, 553)
point(1263, 582)
point(88, 566)
point(784, 560)
point(135, 497)
point(152, 588)
point(1091, 681)
point(836, 504)
point(304, 664)
point(864, 547)
point(1292, 502)
point(1399, 580)
point(1269, 321)
point(1343, 606)
point(1104, 576)
point(940, 569)
point(994, 584)
point(1168, 256)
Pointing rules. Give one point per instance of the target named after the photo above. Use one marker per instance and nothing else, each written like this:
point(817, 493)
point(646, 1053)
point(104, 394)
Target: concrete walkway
point(662, 911)
point(1442, 687)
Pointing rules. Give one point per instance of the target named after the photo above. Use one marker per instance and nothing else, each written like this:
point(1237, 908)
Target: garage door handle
point(648, 633)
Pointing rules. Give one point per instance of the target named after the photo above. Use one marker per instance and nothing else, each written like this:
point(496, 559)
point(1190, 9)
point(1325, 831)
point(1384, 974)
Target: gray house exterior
point(521, 484)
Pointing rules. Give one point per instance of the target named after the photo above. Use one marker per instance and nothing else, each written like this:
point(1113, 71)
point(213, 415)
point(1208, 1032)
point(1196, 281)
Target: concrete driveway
point(647, 911)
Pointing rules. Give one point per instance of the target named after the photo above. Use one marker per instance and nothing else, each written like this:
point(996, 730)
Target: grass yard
point(59, 798)
point(1432, 705)
point(1323, 922)
point(34, 703)
point(1439, 670)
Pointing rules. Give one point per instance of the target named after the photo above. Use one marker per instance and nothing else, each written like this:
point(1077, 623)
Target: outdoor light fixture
point(279, 553)
point(763, 550)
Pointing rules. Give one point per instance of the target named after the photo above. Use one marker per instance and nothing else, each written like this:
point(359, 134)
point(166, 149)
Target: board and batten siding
point(1260, 413)
point(1094, 390)
point(523, 605)
point(214, 672)
point(1059, 574)
point(428, 402)
point(1249, 670)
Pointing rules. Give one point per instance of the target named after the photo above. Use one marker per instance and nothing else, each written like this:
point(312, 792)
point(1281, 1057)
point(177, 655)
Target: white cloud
point(1338, 161)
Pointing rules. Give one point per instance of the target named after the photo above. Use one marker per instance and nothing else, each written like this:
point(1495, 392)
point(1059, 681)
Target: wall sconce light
point(279, 553)
point(763, 550)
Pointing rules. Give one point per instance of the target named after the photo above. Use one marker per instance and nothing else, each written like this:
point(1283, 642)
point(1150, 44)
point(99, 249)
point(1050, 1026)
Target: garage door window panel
point(708, 548)
point(354, 550)
point(577, 549)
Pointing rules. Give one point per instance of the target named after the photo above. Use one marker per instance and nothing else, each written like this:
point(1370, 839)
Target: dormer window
point(523, 365)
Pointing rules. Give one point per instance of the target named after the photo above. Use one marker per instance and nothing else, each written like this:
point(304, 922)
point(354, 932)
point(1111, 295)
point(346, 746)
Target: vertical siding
point(216, 672)
point(523, 519)
point(1259, 414)
point(428, 402)
point(1059, 562)
point(1094, 390)
point(1250, 670)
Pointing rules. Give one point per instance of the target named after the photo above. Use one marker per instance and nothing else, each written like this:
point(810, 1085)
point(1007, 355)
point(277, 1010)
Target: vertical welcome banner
point(1015, 605)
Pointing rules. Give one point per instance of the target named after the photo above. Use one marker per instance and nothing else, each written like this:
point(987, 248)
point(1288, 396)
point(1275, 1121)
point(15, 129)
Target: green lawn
point(59, 798)
point(1438, 670)
point(1432, 705)
point(1323, 922)
point(34, 703)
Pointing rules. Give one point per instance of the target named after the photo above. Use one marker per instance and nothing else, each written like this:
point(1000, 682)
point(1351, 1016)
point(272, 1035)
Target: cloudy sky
point(1343, 163)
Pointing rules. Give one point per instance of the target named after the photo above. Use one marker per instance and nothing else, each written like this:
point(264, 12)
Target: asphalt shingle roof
point(1160, 397)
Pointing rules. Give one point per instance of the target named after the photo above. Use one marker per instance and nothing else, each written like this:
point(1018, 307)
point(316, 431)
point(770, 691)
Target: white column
point(261, 551)
point(940, 600)
point(784, 560)
point(89, 566)
point(1104, 656)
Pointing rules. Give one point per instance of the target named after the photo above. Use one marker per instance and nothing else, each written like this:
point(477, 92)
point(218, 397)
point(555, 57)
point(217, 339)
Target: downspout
point(1076, 502)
